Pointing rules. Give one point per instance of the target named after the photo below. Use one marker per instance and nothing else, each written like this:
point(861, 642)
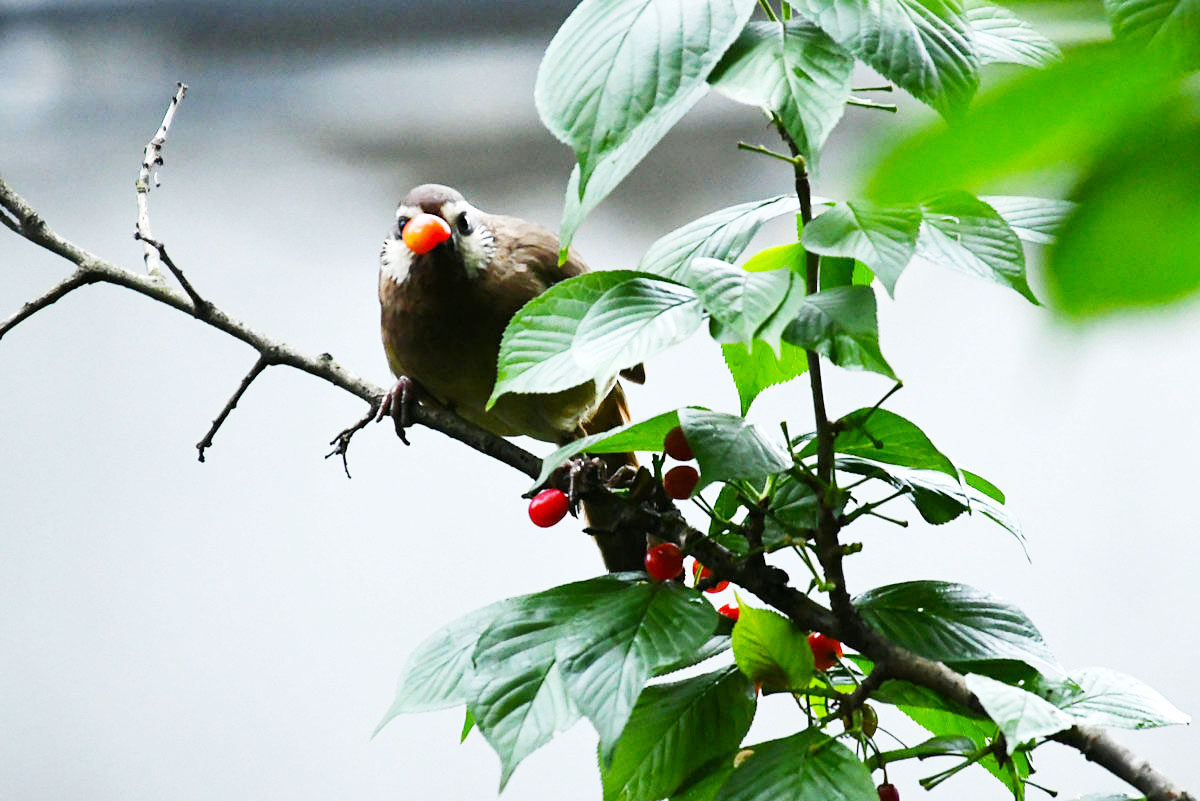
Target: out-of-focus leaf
point(1170, 27)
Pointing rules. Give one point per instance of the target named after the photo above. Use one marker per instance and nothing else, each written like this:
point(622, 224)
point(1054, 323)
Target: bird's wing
point(529, 247)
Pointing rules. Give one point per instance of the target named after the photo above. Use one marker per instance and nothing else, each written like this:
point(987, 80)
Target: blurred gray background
point(172, 630)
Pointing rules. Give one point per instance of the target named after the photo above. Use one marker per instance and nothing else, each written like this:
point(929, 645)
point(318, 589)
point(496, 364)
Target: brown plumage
point(445, 310)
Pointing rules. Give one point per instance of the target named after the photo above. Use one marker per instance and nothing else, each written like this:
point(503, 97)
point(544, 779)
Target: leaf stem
point(770, 12)
point(864, 103)
point(768, 152)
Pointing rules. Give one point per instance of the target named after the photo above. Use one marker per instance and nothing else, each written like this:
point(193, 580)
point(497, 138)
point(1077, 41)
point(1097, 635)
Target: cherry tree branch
point(152, 159)
point(645, 506)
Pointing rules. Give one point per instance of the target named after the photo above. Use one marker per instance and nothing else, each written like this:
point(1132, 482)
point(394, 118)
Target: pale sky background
point(173, 630)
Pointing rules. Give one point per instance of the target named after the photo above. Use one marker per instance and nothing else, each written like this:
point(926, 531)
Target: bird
point(451, 277)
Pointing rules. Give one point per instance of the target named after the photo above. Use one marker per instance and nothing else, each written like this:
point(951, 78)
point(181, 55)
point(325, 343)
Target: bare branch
point(262, 364)
point(62, 288)
point(151, 161)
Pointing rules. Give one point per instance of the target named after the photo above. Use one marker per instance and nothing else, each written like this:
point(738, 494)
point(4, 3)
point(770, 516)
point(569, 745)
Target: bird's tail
point(620, 550)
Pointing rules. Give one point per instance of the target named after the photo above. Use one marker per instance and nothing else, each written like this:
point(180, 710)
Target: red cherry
point(425, 232)
point(664, 561)
point(702, 572)
point(680, 481)
point(548, 507)
point(730, 611)
point(676, 445)
point(826, 650)
point(888, 792)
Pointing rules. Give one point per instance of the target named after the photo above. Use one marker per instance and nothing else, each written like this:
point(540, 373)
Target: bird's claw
point(397, 403)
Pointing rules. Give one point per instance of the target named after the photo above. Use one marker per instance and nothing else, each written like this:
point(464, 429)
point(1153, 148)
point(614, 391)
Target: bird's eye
point(464, 225)
point(400, 223)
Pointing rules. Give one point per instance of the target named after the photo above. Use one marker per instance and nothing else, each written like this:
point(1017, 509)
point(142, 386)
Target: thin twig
point(71, 282)
point(770, 12)
point(767, 152)
point(887, 87)
point(341, 443)
point(262, 364)
point(864, 103)
point(152, 159)
point(202, 305)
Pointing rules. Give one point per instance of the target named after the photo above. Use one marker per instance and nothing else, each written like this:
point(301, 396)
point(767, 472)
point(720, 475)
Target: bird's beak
point(425, 232)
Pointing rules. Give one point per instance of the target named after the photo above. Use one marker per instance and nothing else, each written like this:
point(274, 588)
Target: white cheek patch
point(478, 247)
point(395, 260)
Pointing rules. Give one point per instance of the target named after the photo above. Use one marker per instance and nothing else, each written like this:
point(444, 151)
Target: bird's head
point(436, 228)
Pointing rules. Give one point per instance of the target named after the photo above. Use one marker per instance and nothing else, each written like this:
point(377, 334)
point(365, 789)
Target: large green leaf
point(884, 436)
point(607, 654)
point(518, 697)
point(791, 68)
point(1045, 119)
point(741, 301)
point(1135, 238)
point(922, 45)
point(728, 448)
point(771, 650)
point(721, 235)
point(963, 233)
point(589, 328)
point(955, 623)
point(1033, 219)
point(633, 322)
point(808, 766)
point(757, 368)
point(840, 325)
point(1001, 37)
point(537, 351)
point(439, 672)
point(1104, 697)
point(647, 435)
point(620, 73)
point(884, 239)
point(1171, 27)
point(1020, 714)
point(674, 730)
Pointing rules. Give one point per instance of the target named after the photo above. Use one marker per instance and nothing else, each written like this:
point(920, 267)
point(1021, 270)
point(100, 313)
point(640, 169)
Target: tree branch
point(231, 404)
point(62, 288)
point(152, 159)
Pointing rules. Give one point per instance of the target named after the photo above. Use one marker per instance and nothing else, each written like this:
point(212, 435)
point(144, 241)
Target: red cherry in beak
point(425, 232)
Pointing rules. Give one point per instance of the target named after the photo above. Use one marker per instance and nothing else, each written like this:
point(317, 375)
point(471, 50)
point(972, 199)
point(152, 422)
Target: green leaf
point(884, 436)
point(963, 233)
point(741, 301)
point(1104, 697)
point(620, 73)
point(1044, 119)
point(804, 767)
point(518, 697)
point(1001, 37)
point(728, 448)
point(791, 68)
point(922, 45)
point(1020, 714)
point(721, 235)
point(790, 256)
point(537, 352)
point(1171, 27)
point(633, 322)
point(884, 239)
point(837, 272)
point(439, 672)
point(675, 729)
point(938, 498)
point(1107, 258)
point(771, 650)
point(840, 325)
point(715, 645)
point(607, 654)
point(647, 435)
point(983, 485)
point(755, 369)
point(704, 787)
point(954, 623)
point(468, 725)
point(1033, 219)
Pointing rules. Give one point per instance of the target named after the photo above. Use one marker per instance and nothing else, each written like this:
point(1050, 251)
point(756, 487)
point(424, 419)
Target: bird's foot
point(397, 403)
